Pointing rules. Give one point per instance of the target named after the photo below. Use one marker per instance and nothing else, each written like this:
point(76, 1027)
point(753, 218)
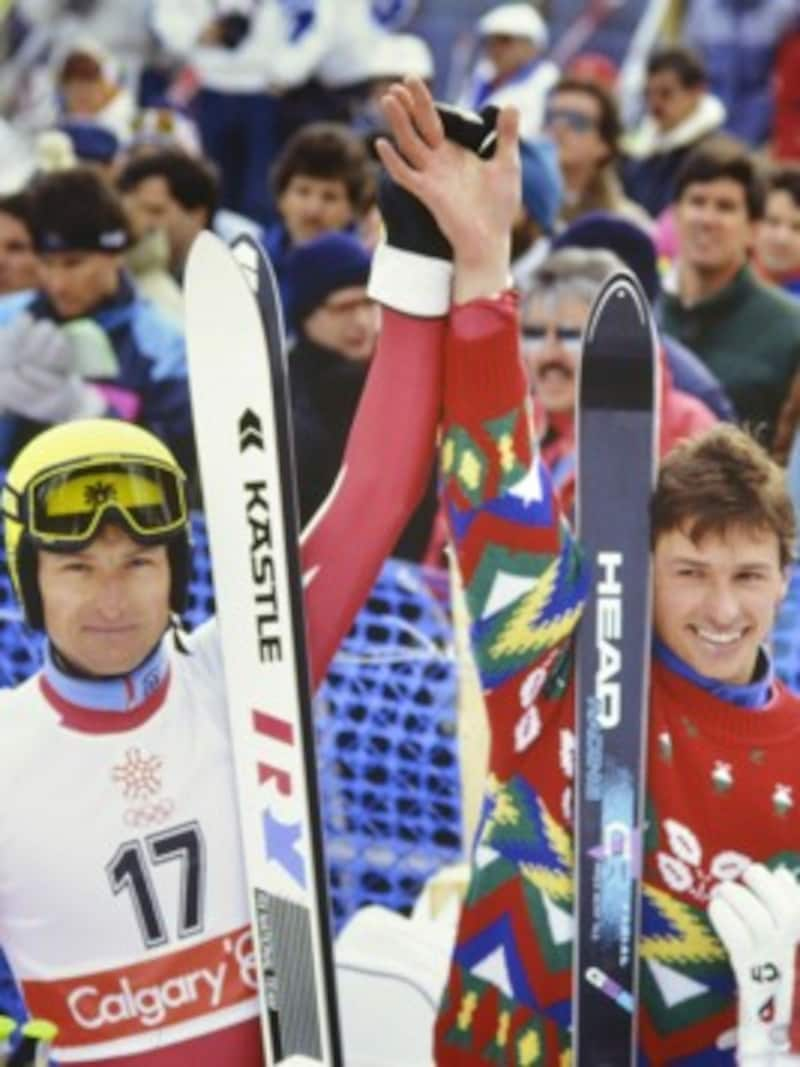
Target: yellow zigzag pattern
point(695, 942)
point(517, 636)
point(556, 884)
point(504, 810)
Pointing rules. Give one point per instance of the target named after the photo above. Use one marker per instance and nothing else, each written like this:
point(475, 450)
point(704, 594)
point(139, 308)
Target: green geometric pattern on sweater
point(501, 430)
point(539, 620)
point(464, 460)
point(497, 559)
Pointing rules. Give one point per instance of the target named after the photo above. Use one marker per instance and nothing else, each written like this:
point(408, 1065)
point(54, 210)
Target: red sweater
point(723, 782)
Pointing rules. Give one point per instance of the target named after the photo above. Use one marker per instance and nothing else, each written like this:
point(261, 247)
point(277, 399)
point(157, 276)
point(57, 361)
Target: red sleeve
point(385, 470)
point(522, 573)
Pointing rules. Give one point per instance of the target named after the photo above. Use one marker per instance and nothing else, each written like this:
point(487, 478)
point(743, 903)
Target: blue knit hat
point(318, 268)
point(542, 184)
point(633, 245)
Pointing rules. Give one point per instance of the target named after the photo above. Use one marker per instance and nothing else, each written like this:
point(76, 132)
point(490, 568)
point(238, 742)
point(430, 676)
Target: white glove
point(46, 395)
point(25, 340)
point(759, 925)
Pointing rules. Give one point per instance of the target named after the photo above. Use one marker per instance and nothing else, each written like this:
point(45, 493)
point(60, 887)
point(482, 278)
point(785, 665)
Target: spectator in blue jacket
point(84, 343)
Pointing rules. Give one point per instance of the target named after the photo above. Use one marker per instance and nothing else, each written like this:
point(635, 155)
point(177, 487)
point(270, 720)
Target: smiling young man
point(746, 331)
point(720, 897)
point(723, 543)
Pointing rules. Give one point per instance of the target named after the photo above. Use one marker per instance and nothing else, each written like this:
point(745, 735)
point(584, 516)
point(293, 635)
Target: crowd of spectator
point(127, 141)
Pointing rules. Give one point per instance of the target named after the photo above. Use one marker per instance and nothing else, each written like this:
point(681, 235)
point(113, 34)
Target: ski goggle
point(64, 508)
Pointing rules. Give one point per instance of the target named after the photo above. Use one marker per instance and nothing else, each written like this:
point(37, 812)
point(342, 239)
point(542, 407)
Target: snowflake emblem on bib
point(140, 777)
point(139, 774)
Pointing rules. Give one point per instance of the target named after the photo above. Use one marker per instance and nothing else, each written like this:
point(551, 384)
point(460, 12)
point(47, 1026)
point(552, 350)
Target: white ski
point(238, 386)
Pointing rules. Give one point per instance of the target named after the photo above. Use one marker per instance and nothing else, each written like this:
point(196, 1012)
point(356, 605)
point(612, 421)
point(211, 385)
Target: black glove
point(412, 270)
point(409, 224)
point(473, 130)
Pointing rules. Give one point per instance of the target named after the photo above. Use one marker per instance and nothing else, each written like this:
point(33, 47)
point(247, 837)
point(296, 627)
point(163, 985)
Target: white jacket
point(527, 91)
point(281, 50)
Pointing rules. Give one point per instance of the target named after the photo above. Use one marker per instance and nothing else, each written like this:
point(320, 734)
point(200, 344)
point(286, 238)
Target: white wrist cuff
point(409, 282)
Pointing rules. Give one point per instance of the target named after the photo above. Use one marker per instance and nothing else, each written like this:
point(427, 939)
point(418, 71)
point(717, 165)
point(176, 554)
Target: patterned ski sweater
point(723, 782)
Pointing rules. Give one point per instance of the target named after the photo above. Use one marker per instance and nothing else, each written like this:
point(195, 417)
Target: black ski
point(617, 452)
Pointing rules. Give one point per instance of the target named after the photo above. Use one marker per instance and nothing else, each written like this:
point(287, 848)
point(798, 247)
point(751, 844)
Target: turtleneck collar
point(754, 695)
point(106, 705)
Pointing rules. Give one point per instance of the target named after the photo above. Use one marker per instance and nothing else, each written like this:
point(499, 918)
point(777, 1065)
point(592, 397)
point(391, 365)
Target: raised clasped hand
point(473, 200)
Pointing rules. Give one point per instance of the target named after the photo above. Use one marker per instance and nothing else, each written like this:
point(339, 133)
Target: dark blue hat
point(542, 184)
point(318, 268)
point(633, 245)
point(91, 141)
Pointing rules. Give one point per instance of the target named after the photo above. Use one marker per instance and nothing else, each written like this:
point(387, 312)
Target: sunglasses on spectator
point(575, 120)
point(563, 334)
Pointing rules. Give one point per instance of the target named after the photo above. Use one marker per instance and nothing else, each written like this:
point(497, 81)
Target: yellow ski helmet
point(70, 479)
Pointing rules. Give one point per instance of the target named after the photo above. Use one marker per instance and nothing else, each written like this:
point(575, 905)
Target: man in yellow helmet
point(123, 909)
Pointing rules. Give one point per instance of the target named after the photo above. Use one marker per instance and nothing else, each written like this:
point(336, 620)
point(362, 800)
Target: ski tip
point(259, 273)
point(208, 256)
point(253, 260)
point(205, 244)
point(622, 303)
point(248, 252)
point(619, 363)
point(218, 303)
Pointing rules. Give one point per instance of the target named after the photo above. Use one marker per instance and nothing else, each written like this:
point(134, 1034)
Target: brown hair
point(721, 156)
point(720, 480)
point(81, 66)
point(192, 181)
point(785, 179)
point(326, 150)
point(686, 64)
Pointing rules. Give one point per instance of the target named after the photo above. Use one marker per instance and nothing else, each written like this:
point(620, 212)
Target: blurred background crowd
point(664, 135)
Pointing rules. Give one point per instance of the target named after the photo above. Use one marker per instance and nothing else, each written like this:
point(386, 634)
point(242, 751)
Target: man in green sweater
point(746, 331)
